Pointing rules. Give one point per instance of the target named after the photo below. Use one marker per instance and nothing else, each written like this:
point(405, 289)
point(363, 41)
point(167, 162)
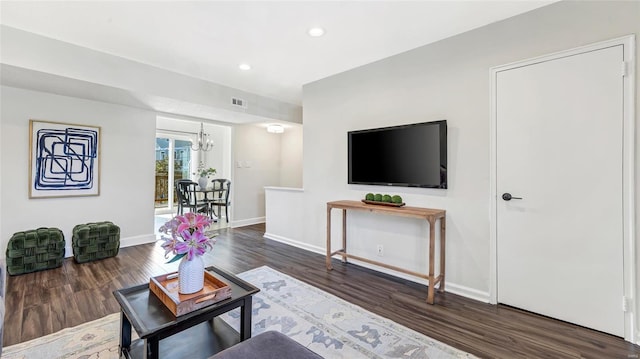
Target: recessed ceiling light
point(275, 128)
point(316, 31)
point(244, 67)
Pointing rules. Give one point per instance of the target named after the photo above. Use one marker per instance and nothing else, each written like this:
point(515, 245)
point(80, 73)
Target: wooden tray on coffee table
point(165, 287)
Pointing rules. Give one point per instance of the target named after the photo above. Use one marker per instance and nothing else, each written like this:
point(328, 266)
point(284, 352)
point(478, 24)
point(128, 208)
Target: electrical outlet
point(380, 249)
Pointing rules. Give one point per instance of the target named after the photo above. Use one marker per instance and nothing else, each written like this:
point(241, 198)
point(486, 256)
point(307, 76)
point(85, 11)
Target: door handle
point(508, 197)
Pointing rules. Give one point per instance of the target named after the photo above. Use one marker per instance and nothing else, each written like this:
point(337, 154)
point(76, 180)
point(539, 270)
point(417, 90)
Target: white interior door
point(559, 146)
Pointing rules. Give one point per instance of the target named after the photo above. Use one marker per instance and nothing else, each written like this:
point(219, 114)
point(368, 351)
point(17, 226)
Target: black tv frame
point(442, 125)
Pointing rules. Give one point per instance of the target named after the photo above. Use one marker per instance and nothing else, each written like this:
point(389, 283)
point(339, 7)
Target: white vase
point(202, 182)
point(190, 275)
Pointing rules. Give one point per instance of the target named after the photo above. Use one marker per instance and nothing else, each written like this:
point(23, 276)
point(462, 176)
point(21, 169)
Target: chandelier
point(204, 141)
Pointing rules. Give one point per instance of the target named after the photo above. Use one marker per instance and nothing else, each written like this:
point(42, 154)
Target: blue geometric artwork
point(64, 159)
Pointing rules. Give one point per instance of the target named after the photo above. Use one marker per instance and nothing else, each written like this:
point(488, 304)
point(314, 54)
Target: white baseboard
point(295, 243)
point(467, 292)
point(124, 242)
point(460, 290)
point(134, 241)
point(247, 222)
point(454, 288)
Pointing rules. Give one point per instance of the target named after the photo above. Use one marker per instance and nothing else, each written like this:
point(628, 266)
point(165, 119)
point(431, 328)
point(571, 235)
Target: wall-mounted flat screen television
point(412, 155)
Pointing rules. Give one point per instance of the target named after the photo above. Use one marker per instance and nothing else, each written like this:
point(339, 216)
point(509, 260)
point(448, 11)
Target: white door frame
point(628, 173)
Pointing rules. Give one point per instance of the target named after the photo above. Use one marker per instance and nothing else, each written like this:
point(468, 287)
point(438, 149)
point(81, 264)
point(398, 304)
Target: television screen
point(409, 155)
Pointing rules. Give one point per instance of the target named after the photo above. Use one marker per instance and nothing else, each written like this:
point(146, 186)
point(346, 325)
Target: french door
point(173, 162)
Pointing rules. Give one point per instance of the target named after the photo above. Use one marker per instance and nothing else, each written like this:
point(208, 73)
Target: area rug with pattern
point(91, 340)
point(330, 326)
point(318, 320)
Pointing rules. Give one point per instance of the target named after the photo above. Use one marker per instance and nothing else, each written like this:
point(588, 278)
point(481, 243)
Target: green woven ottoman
point(35, 250)
point(93, 241)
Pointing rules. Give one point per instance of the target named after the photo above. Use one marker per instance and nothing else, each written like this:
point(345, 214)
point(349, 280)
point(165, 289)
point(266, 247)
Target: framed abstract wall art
point(64, 160)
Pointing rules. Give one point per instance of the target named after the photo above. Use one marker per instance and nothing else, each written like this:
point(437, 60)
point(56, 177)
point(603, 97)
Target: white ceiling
point(207, 40)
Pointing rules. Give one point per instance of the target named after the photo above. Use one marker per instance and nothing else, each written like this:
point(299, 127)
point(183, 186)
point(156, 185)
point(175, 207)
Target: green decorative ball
point(396, 199)
point(377, 197)
point(369, 197)
point(386, 198)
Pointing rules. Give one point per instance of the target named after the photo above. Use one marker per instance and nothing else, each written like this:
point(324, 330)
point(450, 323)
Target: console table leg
point(442, 252)
point(344, 235)
point(430, 291)
point(432, 279)
point(329, 267)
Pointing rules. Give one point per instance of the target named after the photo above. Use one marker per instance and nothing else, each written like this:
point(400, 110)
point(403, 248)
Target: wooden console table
point(430, 215)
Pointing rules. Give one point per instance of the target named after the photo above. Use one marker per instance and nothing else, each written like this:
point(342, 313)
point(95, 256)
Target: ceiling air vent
point(238, 102)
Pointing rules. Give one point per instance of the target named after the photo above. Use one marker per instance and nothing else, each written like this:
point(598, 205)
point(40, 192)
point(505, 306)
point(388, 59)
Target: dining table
point(205, 197)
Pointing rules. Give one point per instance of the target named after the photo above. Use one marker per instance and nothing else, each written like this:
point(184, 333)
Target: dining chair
point(182, 202)
point(187, 198)
point(221, 189)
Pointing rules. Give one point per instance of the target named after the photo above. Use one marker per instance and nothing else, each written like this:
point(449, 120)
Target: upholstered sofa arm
point(268, 345)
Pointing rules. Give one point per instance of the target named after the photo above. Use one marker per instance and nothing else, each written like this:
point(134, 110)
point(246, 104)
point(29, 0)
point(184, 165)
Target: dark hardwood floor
point(44, 302)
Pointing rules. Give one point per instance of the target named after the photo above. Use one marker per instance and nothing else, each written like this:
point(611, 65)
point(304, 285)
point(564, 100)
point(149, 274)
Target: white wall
point(291, 157)
point(262, 159)
point(258, 152)
point(445, 80)
point(284, 219)
point(127, 163)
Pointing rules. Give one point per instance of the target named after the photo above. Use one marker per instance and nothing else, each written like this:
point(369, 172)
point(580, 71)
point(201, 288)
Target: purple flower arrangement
point(186, 236)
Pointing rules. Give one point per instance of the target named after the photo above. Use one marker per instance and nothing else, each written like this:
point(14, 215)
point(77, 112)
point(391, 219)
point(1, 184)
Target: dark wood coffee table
point(201, 332)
